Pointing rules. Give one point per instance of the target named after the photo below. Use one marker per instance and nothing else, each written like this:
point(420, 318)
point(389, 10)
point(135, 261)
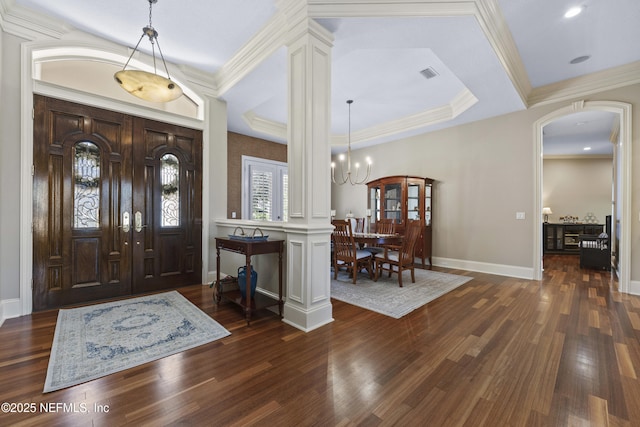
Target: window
point(264, 189)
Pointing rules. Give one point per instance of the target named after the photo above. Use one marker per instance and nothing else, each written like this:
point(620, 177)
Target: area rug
point(98, 340)
point(386, 297)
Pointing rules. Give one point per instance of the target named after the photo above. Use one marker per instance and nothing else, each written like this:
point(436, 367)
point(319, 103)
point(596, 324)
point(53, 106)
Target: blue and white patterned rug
point(386, 297)
point(98, 340)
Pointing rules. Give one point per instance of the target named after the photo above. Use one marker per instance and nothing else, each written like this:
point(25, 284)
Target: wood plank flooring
point(498, 351)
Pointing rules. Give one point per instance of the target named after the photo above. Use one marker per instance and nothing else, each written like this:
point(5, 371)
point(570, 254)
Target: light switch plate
point(520, 215)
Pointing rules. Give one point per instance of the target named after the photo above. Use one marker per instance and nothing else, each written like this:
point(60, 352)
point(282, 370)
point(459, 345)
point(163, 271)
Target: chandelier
point(348, 176)
point(148, 86)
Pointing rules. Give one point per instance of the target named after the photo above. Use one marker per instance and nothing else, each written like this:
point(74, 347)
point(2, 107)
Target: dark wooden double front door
point(117, 204)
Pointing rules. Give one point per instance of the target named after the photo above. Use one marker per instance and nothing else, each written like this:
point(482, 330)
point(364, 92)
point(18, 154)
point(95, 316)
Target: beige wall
point(484, 174)
point(576, 187)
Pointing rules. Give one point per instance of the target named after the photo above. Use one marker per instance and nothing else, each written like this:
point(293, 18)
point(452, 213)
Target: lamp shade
point(546, 211)
point(148, 86)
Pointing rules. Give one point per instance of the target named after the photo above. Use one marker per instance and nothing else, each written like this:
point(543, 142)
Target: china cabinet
point(403, 198)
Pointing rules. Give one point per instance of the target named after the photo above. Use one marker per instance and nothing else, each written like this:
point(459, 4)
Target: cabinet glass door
point(393, 202)
point(374, 204)
point(413, 201)
point(427, 204)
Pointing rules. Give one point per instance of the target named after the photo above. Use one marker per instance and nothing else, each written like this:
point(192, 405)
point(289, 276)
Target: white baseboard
point(9, 309)
point(485, 267)
point(634, 287)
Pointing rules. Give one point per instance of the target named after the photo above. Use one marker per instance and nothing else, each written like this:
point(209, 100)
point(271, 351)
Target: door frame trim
point(29, 87)
point(624, 111)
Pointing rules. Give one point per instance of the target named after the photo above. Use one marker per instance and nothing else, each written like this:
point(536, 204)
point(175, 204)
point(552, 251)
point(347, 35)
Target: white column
point(308, 303)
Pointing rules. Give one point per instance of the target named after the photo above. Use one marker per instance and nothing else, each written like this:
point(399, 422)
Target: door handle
point(138, 220)
point(126, 222)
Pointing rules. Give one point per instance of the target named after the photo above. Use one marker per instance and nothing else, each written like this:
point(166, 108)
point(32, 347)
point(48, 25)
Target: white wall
point(10, 168)
point(576, 187)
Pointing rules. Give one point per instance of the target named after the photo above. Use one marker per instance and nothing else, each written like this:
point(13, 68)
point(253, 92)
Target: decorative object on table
point(239, 234)
point(569, 219)
point(546, 212)
point(385, 297)
point(101, 339)
point(148, 86)
point(242, 281)
point(333, 214)
point(344, 178)
point(368, 220)
point(590, 218)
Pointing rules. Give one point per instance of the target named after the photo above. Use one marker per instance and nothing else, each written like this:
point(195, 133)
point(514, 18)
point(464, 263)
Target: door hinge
point(33, 114)
point(33, 170)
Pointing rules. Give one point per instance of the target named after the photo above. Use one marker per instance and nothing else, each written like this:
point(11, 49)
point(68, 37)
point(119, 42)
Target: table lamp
point(546, 212)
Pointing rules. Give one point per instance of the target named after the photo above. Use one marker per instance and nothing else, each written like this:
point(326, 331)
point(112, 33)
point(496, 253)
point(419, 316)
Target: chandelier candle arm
point(347, 177)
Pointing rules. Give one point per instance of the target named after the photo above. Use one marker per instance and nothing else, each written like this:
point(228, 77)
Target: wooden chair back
point(411, 235)
point(401, 257)
point(386, 226)
point(344, 245)
point(346, 252)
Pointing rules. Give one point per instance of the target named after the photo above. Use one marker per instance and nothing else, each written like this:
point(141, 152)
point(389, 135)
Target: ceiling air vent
point(429, 73)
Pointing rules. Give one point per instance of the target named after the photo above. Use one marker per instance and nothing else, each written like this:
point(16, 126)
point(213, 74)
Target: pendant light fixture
point(349, 177)
point(148, 86)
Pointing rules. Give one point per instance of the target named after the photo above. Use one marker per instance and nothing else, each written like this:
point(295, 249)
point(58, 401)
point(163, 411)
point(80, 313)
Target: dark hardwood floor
point(497, 351)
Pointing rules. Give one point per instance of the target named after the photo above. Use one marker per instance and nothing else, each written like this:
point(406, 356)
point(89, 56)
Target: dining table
point(377, 239)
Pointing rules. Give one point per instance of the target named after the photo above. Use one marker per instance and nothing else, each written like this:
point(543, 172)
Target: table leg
point(218, 294)
point(247, 308)
point(280, 302)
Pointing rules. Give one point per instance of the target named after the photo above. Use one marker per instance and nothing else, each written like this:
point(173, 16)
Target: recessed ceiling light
point(580, 59)
point(574, 11)
point(587, 148)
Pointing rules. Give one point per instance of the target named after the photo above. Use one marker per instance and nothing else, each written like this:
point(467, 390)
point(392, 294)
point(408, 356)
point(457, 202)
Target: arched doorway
point(622, 181)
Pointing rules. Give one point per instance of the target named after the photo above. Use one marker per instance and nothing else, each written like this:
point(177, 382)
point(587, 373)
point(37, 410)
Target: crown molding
point(262, 45)
point(388, 8)
point(459, 104)
point(577, 87)
point(24, 23)
point(496, 29)
point(269, 127)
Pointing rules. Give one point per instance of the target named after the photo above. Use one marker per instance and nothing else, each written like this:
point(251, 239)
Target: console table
point(249, 248)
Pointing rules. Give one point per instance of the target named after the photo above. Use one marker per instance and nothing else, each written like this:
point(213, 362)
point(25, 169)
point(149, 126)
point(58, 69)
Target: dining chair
point(346, 252)
point(386, 226)
point(359, 225)
point(399, 256)
point(383, 226)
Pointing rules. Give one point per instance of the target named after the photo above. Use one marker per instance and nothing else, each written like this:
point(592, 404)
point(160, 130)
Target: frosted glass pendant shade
point(148, 86)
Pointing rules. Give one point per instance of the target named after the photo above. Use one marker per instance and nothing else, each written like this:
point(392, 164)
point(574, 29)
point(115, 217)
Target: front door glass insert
point(170, 181)
point(86, 185)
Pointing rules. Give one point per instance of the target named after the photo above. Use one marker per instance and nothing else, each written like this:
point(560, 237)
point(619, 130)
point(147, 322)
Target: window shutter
point(261, 194)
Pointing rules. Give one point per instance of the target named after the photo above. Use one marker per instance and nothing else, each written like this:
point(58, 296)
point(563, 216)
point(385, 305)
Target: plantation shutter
point(261, 194)
point(264, 190)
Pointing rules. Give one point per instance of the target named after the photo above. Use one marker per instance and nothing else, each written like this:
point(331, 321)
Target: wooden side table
point(249, 248)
